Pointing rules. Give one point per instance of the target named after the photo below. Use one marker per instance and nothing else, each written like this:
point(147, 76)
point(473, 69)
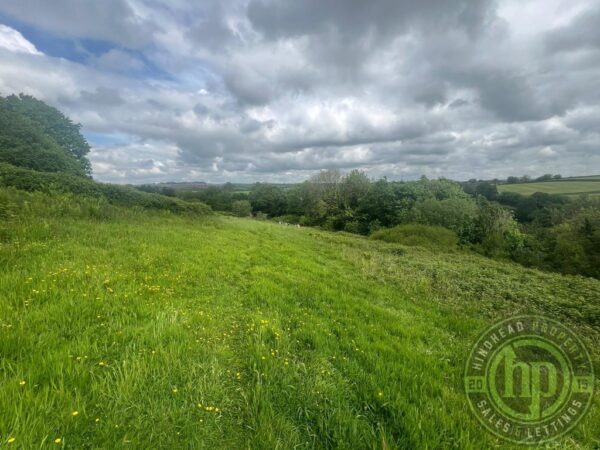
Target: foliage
point(39, 137)
point(241, 208)
point(476, 188)
point(566, 240)
point(267, 199)
point(219, 198)
point(158, 189)
point(417, 235)
point(494, 231)
point(30, 180)
point(456, 214)
point(534, 230)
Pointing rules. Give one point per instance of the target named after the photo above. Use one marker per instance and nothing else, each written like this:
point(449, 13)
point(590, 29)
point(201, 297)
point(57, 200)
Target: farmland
point(571, 187)
point(132, 329)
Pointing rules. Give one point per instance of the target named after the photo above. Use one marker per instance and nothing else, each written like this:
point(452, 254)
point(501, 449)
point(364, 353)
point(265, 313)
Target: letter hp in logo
point(529, 379)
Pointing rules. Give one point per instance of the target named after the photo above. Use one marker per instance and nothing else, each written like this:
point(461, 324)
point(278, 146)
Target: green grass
point(586, 177)
point(566, 187)
point(169, 332)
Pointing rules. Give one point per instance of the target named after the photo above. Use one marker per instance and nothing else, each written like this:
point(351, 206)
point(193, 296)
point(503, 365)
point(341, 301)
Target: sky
point(276, 90)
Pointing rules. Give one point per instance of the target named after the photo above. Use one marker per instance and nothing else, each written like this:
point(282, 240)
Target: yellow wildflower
point(10, 440)
point(75, 413)
point(57, 440)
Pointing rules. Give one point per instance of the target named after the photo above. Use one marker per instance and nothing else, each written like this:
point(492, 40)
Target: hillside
point(98, 193)
point(147, 330)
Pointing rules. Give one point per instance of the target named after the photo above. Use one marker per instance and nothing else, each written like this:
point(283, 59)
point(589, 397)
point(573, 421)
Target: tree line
point(550, 232)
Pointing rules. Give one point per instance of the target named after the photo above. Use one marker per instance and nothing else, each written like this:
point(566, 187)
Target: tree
point(380, 205)
point(545, 177)
point(485, 188)
point(54, 125)
point(494, 231)
point(455, 214)
point(354, 186)
point(267, 199)
point(25, 143)
point(325, 186)
point(241, 208)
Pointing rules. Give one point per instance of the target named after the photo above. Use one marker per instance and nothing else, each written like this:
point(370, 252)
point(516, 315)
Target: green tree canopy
point(40, 137)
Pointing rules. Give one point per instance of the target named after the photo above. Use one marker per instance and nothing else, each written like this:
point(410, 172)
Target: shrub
point(417, 235)
point(31, 180)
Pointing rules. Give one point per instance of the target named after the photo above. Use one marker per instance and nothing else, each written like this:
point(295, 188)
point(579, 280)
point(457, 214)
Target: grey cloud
point(103, 96)
point(582, 33)
point(457, 103)
point(355, 17)
point(275, 90)
point(108, 20)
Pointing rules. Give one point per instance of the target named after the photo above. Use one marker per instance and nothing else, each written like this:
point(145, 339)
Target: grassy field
point(585, 185)
point(147, 330)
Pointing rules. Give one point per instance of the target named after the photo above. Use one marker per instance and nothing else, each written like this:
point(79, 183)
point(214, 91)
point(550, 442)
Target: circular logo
point(529, 379)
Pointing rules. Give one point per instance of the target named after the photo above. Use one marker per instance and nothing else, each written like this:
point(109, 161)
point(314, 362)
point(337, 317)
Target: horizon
point(531, 180)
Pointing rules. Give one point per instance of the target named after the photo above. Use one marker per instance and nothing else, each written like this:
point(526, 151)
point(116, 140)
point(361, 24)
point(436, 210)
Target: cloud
point(109, 20)
point(277, 89)
point(12, 40)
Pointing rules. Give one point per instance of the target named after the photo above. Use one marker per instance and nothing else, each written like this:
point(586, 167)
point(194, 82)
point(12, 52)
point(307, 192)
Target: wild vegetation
point(551, 232)
point(124, 328)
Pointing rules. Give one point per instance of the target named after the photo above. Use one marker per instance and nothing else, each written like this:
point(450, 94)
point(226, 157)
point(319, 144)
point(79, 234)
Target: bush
point(417, 235)
point(30, 180)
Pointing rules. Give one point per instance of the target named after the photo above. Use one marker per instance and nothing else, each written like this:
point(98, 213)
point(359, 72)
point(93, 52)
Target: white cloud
point(14, 41)
point(547, 151)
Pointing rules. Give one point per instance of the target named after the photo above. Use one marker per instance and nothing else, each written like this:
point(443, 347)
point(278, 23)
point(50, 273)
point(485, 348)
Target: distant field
point(588, 177)
point(583, 185)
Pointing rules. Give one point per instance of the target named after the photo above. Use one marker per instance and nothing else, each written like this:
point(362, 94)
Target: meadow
point(142, 329)
point(571, 187)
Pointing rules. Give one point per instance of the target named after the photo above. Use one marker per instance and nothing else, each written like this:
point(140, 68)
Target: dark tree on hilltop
point(48, 129)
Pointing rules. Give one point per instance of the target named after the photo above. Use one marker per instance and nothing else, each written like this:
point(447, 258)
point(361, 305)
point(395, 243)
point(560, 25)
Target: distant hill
point(36, 136)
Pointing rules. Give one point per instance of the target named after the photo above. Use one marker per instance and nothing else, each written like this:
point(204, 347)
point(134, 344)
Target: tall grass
point(138, 330)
